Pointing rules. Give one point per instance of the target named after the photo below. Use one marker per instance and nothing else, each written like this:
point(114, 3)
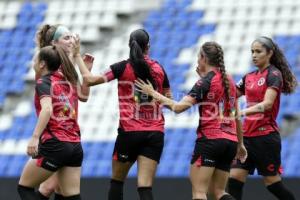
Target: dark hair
point(45, 35)
point(214, 53)
point(138, 43)
point(280, 62)
point(55, 57)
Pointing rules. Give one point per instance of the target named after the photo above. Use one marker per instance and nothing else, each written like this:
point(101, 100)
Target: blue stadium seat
point(88, 169)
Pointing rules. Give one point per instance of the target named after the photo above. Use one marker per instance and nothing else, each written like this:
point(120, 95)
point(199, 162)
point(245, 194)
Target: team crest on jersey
point(261, 81)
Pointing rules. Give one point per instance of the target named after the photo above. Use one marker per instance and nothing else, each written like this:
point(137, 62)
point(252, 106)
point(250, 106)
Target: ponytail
point(221, 65)
point(138, 44)
point(67, 66)
point(280, 62)
point(214, 52)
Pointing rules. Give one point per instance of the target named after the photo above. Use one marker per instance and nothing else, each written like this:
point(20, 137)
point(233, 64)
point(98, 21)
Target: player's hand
point(143, 87)
point(241, 153)
point(88, 60)
point(32, 147)
point(76, 45)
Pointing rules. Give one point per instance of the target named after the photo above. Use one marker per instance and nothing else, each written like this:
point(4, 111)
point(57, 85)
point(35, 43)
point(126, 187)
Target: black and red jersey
point(136, 112)
point(254, 85)
point(63, 122)
point(216, 113)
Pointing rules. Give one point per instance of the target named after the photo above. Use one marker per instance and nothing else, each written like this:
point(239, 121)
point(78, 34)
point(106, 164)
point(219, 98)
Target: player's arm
point(44, 116)
point(85, 65)
point(241, 151)
point(166, 86)
point(178, 107)
point(273, 83)
point(91, 80)
point(263, 106)
point(43, 119)
point(114, 72)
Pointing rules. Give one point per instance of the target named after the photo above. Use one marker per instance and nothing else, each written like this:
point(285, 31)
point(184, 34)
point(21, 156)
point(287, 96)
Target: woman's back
point(137, 111)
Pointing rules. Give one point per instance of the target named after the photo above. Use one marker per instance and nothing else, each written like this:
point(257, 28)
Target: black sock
point(145, 193)
point(280, 191)
point(115, 190)
point(27, 193)
point(227, 197)
point(235, 188)
point(41, 196)
point(74, 197)
point(58, 196)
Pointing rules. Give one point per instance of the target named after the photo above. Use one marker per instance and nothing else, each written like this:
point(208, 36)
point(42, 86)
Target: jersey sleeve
point(116, 70)
point(166, 83)
point(274, 80)
point(241, 85)
point(43, 87)
point(200, 89)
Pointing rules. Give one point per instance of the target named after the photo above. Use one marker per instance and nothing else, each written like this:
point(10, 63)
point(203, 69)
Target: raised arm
point(85, 65)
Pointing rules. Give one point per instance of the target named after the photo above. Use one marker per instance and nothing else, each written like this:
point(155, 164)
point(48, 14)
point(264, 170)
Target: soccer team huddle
point(226, 150)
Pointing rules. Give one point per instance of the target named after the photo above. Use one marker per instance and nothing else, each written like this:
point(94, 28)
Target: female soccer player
point(262, 89)
point(55, 144)
point(218, 130)
point(62, 36)
point(141, 126)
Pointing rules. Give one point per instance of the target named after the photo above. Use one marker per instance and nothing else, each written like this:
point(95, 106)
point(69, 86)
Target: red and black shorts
point(54, 154)
point(218, 153)
point(129, 145)
point(263, 155)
